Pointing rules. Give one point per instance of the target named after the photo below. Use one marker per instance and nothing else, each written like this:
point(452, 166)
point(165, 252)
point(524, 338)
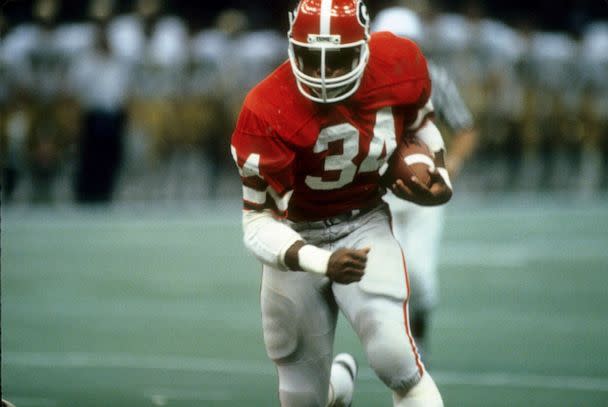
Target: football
point(411, 157)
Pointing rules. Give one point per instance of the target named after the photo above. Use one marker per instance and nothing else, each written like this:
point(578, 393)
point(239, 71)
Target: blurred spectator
point(9, 161)
point(496, 94)
point(551, 57)
point(242, 56)
point(101, 84)
point(156, 46)
point(229, 60)
point(41, 121)
point(593, 107)
point(211, 95)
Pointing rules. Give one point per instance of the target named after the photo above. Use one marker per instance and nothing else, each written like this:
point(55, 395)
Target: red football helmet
point(328, 47)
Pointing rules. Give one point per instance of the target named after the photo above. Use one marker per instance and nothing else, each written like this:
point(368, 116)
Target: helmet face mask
point(340, 60)
point(328, 48)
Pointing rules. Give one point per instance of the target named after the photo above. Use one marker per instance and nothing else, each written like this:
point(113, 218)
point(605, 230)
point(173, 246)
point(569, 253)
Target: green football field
point(139, 306)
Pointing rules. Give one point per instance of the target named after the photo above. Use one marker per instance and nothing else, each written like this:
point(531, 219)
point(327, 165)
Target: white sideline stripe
point(161, 396)
point(524, 380)
point(129, 361)
point(118, 360)
point(33, 401)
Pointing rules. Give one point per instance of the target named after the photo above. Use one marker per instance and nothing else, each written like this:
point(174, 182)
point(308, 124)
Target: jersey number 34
point(383, 139)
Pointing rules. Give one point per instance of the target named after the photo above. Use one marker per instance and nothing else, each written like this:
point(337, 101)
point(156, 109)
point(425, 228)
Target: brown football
point(411, 157)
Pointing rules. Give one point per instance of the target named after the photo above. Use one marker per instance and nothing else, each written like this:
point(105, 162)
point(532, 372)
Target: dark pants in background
point(100, 156)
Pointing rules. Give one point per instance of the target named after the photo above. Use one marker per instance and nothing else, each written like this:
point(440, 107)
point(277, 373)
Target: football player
point(311, 143)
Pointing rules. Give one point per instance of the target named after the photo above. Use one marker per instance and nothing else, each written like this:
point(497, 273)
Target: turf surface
point(152, 307)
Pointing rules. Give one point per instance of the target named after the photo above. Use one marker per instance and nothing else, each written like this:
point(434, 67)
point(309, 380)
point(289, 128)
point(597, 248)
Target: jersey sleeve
point(265, 163)
point(414, 84)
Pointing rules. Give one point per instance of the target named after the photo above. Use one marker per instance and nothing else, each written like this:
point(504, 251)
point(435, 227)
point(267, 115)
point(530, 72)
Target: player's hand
point(347, 265)
point(438, 192)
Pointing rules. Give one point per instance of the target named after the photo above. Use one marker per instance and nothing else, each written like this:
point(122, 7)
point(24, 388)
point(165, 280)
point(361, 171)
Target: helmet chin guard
point(322, 28)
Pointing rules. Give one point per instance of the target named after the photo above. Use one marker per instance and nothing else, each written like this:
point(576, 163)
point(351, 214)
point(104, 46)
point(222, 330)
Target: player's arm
point(439, 191)
point(276, 244)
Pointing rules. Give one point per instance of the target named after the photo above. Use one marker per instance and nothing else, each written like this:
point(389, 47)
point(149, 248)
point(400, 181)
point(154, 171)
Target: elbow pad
point(268, 238)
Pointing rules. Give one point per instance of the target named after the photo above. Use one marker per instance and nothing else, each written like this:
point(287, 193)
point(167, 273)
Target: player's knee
point(390, 354)
point(280, 330)
point(424, 393)
point(392, 368)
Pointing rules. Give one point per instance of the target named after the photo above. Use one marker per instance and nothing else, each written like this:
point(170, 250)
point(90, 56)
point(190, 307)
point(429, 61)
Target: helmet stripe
point(325, 17)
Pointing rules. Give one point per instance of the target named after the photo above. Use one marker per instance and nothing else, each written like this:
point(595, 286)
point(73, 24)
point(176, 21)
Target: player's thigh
point(299, 318)
point(381, 323)
point(385, 271)
point(376, 306)
point(298, 315)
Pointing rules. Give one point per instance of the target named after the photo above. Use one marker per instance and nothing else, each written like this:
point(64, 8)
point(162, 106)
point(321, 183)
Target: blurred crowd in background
point(140, 105)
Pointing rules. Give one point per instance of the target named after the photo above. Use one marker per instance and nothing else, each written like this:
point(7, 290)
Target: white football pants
point(299, 312)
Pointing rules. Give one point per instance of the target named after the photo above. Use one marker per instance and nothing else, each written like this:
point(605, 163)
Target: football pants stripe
point(406, 319)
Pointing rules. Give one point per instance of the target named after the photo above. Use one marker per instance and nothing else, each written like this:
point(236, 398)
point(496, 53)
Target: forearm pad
point(268, 238)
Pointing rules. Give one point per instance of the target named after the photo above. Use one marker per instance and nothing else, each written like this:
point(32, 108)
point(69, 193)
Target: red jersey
point(310, 161)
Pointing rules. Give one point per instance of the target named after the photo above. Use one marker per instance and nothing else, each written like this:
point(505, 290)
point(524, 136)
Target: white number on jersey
point(384, 138)
point(343, 162)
